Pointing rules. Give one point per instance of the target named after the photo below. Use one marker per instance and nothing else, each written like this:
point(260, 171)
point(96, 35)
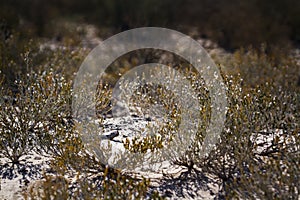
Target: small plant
point(104, 185)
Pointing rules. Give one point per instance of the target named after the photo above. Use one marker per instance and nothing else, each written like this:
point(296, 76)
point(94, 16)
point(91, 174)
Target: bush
point(87, 179)
point(30, 116)
point(258, 152)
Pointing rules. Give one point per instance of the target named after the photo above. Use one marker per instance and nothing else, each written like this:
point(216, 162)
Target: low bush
point(258, 152)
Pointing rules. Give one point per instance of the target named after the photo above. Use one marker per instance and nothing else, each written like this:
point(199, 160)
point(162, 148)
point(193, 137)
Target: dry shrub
point(258, 152)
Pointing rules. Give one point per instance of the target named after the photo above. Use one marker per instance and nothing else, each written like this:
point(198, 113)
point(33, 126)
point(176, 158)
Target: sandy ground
point(15, 177)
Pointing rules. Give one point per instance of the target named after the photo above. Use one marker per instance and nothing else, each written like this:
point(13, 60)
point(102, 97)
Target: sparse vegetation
point(258, 153)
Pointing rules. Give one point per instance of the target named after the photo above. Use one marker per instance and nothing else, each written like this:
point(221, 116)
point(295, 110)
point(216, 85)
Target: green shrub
point(30, 116)
point(261, 106)
point(102, 186)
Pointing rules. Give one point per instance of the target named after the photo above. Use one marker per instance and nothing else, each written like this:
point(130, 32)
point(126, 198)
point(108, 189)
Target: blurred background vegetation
point(269, 27)
point(230, 23)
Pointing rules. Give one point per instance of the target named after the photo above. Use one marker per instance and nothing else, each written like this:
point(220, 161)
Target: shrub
point(257, 156)
point(30, 115)
point(104, 185)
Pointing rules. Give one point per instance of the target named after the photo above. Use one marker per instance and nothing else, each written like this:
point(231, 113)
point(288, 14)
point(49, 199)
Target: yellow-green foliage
point(35, 115)
point(97, 184)
point(263, 97)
